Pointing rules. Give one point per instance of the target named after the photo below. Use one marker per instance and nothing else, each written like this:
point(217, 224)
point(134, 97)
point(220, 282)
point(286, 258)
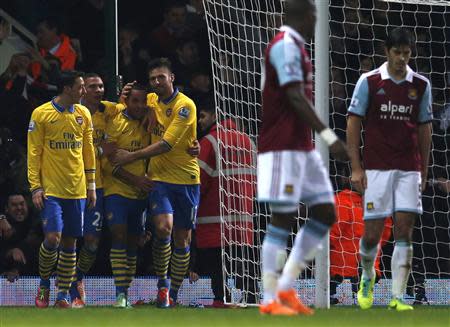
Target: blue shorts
point(63, 216)
point(180, 200)
point(120, 210)
point(93, 218)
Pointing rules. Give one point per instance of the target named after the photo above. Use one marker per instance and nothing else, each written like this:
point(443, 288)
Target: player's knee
point(53, 240)
point(91, 244)
point(370, 241)
point(163, 231)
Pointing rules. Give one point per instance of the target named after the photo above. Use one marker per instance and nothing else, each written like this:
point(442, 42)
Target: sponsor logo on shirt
point(395, 111)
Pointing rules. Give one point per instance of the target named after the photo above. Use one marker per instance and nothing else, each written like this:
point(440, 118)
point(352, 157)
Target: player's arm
point(140, 182)
point(184, 118)
point(89, 161)
point(207, 163)
point(357, 111)
point(286, 59)
point(34, 156)
point(425, 132)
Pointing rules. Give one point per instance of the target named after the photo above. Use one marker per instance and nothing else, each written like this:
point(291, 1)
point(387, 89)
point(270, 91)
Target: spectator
point(20, 237)
point(186, 62)
point(345, 235)
point(13, 165)
point(173, 28)
point(131, 55)
point(200, 88)
point(6, 49)
point(51, 40)
point(238, 216)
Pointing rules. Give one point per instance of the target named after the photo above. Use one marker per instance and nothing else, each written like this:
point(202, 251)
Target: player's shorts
point(120, 210)
point(63, 216)
point(93, 218)
point(287, 177)
point(180, 200)
point(389, 191)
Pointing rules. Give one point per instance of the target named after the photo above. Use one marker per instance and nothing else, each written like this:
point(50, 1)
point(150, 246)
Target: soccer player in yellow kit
point(176, 175)
point(61, 167)
point(102, 112)
point(126, 188)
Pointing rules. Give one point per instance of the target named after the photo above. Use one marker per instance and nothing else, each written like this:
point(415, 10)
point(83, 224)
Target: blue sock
point(44, 283)
point(62, 295)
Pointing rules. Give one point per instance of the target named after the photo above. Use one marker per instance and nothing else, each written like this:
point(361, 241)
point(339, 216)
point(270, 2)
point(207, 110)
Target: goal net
point(239, 31)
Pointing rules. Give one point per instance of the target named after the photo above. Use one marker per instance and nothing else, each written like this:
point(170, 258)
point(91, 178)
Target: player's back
point(129, 134)
point(286, 63)
point(60, 134)
point(177, 126)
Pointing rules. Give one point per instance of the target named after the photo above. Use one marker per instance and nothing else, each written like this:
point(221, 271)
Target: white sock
point(367, 260)
point(401, 266)
point(306, 244)
point(273, 258)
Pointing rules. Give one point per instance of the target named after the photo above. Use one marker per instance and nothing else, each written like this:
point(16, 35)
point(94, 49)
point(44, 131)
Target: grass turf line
point(144, 316)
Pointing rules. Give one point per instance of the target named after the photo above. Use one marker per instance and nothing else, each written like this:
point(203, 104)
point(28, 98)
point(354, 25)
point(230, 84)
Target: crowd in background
point(177, 30)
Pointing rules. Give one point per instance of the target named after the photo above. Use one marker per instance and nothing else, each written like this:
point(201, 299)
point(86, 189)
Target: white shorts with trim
point(287, 177)
point(389, 191)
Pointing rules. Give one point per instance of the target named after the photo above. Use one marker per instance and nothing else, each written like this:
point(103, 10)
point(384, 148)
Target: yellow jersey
point(177, 126)
point(61, 157)
point(106, 112)
point(129, 134)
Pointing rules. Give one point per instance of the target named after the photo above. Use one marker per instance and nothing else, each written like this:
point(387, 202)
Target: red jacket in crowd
point(346, 233)
point(234, 196)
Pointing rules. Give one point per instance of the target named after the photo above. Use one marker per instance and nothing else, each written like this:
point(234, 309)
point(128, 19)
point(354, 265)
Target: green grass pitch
point(425, 316)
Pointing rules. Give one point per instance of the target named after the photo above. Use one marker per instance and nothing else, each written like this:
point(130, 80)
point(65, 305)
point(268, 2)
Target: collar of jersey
point(296, 35)
point(169, 99)
point(61, 108)
point(385, 74)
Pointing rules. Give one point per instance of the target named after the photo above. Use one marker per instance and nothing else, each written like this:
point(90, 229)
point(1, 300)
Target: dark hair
point(173, 4)
point(53, 22)
point(67, 78)
point(91, 75)
point(399, 36)
point(138, 87)
point(159, 63)
point(207, 105)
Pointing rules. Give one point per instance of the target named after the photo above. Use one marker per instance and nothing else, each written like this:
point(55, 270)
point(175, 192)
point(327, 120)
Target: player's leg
point(162, 218)
point(401, 258)
point(408, 205)
point(317, 193)
point(116, 209)
point(378, 204)
point(93, 219)
point(278, 179)
point(72, 213)
point(52, 225)
point(136, 229)
point(184, 200)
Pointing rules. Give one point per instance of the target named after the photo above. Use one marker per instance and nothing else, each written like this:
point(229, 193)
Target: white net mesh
point(239, 31)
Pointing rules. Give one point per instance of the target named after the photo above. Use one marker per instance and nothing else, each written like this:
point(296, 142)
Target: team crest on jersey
point(79, 120)
point(412, 94)
point(370, 206)
point(44, 222)
point(184, 112)
point(168, 112)
point(289, 189)
point(31, 126)
point(109, 216)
